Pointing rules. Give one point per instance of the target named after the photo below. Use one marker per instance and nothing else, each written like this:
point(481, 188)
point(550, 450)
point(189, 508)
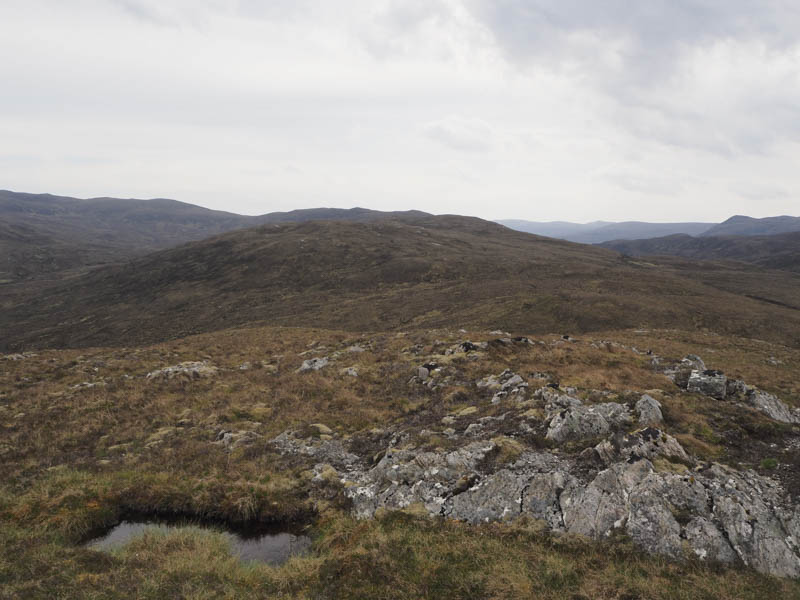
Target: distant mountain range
point(599, 232)
point(603, 231)
point(741, 225)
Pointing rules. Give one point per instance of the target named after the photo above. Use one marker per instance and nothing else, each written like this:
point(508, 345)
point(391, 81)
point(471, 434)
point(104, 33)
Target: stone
point(649, 410)
point(771, 406)
point(349, 372)
point(582, 422)
point(313, 364)
point(681, 373)
point(422, 373)
point(707, 541)
point(648, 443)
point(185, 370)
point(232, 440)
point(708, 383)
point(321, 429)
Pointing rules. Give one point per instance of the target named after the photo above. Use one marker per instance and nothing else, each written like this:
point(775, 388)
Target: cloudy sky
point(663, 110)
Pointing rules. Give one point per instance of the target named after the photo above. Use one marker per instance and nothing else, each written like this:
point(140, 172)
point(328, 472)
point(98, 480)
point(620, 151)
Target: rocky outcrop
point(506, 384)
point(649, 443)
point(712, 512)
point(313, 364)
point(692, 375)
point(185, 370)
point(584, 422)
point(639, 483)
point(771, 406)
point(709, 383)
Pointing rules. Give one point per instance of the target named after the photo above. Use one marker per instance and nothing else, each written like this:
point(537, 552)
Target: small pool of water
point(273, 547)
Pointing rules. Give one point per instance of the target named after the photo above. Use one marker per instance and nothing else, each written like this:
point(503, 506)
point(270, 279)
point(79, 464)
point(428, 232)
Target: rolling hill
point(43, 234)
point(780, 251)
point(382, 275)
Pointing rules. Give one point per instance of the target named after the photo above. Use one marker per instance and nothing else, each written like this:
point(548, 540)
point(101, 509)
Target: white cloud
point(501, 108)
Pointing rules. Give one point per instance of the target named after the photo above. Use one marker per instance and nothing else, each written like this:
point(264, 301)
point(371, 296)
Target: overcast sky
point(662, 110)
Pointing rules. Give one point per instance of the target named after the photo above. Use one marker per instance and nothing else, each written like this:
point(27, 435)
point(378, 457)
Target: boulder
point(771, 406)
point(648, 443)
point(313, 364)
point(649, 410)
point(186, 370)
point(584, 422)
point(708, 383)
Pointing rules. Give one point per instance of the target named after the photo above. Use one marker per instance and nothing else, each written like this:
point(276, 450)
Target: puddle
point(271, 547)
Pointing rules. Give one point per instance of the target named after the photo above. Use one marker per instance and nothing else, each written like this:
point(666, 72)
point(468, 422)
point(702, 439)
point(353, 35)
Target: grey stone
point(649, 410)
point(770, 405)
point(708, 383)
point(313, 364)
point(582, 422)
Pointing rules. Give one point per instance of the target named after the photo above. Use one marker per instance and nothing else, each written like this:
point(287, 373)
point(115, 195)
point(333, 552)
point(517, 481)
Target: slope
point(45, 234)
point(780, 251)
point(414, 273)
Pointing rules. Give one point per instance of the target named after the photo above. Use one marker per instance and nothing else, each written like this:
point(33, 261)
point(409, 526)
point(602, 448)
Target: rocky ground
point(636, 479)
point(629, 437)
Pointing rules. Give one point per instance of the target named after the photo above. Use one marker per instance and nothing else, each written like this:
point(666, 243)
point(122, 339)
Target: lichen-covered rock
point(709, 383)
point(682, 371)
point(770, 405)
point(707, 541)
point(504, 384)
point(584, 422)
point(236, 439)
point(313, 364)
point(185, 370)
point(647, 443)
point(332, 452)
point(649, 410)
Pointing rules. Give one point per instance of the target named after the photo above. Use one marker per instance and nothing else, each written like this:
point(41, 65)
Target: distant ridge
point(603, 231)
point(742, 225)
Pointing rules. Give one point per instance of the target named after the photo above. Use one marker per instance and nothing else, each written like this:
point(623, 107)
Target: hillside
point(780, 251)
point(742, 225)
point(45, 234)
point(425, 272)
point(602, 231)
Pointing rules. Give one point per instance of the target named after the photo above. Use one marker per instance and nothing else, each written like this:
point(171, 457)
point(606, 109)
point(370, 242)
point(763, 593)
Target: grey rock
point(313, 364)
point(770, 405)
point(582, 422)
point(648, 443)
point(709, 383)
point(649, 410)
point(708, 542)
point(185, 370)
point(681, 372)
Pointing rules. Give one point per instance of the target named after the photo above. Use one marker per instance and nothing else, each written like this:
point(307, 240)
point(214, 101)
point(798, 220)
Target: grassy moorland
point(425, 272)
point(87, 438)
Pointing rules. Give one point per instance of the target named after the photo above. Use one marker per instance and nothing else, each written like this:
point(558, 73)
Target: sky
point(578, 110)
